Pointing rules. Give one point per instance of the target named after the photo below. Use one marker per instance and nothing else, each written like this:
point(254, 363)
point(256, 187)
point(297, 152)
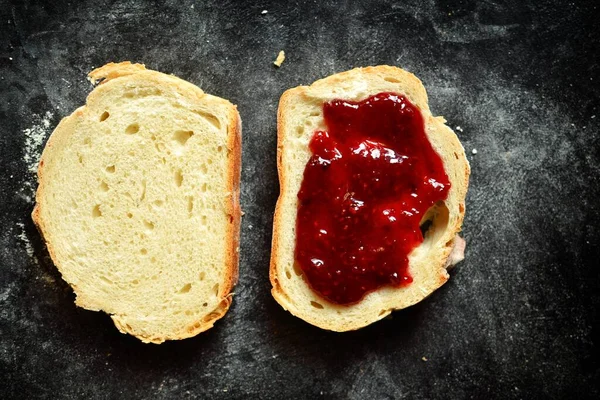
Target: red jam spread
point(371, 177)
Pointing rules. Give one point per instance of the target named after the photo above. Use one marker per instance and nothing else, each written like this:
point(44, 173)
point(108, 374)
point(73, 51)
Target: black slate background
point(518, 319)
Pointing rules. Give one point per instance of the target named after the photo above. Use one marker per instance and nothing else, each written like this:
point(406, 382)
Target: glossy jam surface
point(371, 177)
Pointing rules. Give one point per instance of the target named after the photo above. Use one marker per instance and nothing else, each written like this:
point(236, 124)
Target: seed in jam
point(372, 176)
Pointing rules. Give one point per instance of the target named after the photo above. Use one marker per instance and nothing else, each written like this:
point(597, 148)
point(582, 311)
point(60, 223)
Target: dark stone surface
point(518, 319)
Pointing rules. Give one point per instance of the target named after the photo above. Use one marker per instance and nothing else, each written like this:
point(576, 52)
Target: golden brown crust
point(113, 71)
point(282, 186)
point(234, 148)
point(190, 331)
point(417, 94)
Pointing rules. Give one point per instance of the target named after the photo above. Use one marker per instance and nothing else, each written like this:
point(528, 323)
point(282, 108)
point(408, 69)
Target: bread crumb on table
point(474, 151)
point(280, 59)
point(458, 128)
point(264, 12)
point(424, 358)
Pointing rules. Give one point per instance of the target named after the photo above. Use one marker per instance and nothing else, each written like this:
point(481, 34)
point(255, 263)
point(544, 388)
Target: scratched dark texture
point(519, 317)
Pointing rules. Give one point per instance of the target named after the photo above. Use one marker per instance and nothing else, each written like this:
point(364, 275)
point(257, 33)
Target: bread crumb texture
point(138, 202)
point(299, 116)
point(280, 59)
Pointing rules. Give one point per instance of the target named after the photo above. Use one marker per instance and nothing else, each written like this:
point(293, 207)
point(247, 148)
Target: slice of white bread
point(138, 202)
point(300, 115)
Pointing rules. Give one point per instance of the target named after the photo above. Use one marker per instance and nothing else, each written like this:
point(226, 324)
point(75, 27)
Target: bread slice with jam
point(372, 197)
point(138, 202)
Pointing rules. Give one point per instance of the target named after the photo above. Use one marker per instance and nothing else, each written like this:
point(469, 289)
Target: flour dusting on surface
point(25, 240)
point(32, 151)
point(34, 137)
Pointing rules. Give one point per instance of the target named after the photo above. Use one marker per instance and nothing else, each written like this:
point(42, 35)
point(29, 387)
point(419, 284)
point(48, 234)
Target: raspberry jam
point(372, 176)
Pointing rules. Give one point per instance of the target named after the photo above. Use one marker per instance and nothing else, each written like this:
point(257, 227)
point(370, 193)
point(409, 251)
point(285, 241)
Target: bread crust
point(347, 317)
point(112, 71)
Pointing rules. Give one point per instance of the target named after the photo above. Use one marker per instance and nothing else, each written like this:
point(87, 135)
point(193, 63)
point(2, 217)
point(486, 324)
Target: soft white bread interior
point(138, 202)
point(300, 115)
